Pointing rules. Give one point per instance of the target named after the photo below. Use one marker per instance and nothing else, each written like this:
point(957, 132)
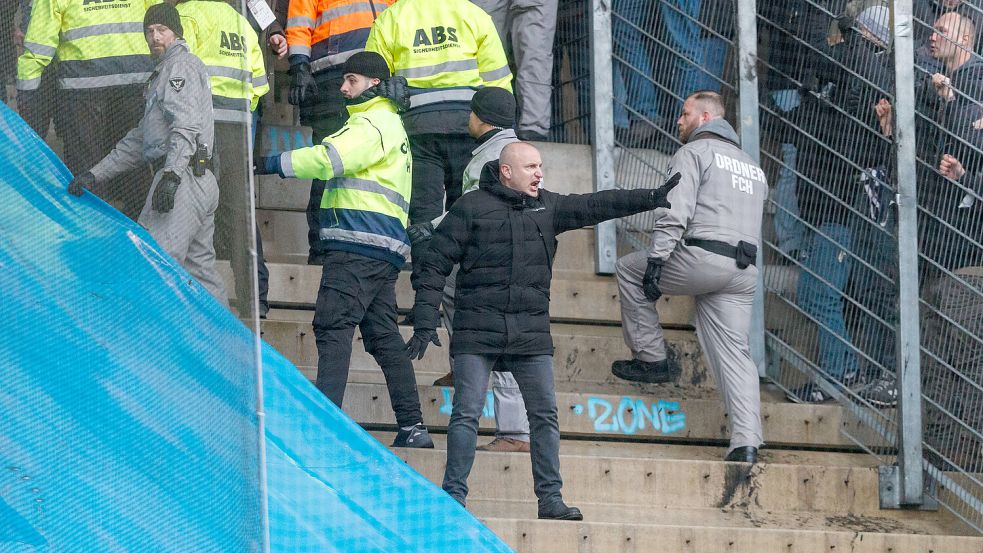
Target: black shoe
point(417, 437)
point(746, 454)
point(643, 371)
point(560, 511)
point(264, 310)
point(531, 136)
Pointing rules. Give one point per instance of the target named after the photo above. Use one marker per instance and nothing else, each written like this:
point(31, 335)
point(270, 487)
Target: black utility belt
point(744, 253)
point(198, 166)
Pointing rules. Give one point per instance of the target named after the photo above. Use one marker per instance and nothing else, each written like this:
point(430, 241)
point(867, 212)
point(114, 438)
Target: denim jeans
point(825, 259)
point(534, 375)
point(788, 224)
point(632, 87)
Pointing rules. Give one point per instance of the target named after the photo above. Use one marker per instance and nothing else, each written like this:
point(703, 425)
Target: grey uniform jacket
point(720, 195)
point(178, 115)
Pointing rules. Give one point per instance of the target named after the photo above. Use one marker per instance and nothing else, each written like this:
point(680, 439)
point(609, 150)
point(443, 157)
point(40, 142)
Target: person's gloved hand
point(303, 89)
point(163, 200)
point(419, 233)
point(650, 282)
point(396, 89)
point(268, 165)
point(660, 194)
point(422, 338)
point(80, 183)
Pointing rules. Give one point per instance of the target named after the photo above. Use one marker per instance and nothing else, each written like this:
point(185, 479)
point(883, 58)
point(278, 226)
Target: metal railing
point(872, 241)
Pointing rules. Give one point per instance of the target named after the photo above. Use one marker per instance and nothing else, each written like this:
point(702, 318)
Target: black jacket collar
point(490, 183)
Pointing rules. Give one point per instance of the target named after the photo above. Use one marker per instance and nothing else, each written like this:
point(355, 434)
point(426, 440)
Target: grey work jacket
point(177, 116)
point(720, 195)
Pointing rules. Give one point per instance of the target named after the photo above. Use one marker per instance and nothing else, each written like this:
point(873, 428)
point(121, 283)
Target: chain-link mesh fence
point(153, 115)
point(571, 99)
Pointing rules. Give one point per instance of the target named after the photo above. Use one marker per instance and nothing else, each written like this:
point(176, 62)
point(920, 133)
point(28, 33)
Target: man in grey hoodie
point(705, 247)
point(491, 124)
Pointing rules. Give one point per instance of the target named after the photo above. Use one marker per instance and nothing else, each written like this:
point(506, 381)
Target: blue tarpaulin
point(128, 411)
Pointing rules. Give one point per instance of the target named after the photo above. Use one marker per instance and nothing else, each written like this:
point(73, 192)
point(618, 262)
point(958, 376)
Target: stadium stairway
point(643, 462)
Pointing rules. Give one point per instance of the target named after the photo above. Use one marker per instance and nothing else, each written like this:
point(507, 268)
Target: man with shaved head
point(503, 236)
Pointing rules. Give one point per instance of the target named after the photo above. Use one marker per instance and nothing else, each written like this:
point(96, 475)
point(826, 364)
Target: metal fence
point(860, 153)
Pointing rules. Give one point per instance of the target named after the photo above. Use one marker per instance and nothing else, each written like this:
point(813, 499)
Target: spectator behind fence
point(926, 12)
point(446, 51)
point(531, 27)
point(367, 167)
point(503, 236)
point(825, 192)
point(490, 124)
point(705, 246)
point(103, 68)
point(321, 36)
point(175, 137)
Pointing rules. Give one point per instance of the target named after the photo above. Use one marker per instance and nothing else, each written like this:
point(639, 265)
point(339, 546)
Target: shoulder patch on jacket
point(177, 83)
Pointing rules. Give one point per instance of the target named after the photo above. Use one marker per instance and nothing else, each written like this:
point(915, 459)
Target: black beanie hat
point(495, 106)
point(370, 64)
point(166, 15)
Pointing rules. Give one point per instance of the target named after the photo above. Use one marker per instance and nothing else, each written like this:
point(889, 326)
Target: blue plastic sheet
point(128, 404)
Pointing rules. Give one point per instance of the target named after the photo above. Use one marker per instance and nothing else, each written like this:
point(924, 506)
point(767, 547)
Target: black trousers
point(360, 291)
point(439, 161)
point(95, 120)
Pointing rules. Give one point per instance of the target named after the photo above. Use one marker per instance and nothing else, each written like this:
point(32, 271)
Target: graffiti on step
point(630, 416)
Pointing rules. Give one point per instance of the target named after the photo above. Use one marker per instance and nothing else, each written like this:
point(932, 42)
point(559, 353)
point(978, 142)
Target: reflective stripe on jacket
point(446, 50)
point(99, 43)
point(228, 46)
point(368, 168)
point(328, 32)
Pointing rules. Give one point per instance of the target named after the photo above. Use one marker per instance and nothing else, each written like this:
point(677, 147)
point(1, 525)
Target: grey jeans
point(534, 375)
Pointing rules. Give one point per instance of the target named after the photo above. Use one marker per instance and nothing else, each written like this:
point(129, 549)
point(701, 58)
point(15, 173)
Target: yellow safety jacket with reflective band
point(228, 46)
point(368, 169)
point(446, 50)
point(98, 43)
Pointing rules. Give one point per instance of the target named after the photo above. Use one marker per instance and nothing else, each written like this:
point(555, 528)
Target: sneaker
point(643, 371)
point(507, 445)
point(881, 392)
point(560, 511)
point(446, 381)
point(416, 436)
point(808, 393)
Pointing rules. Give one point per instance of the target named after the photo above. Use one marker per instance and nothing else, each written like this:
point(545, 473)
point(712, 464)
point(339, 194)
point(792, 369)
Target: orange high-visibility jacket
point(328, 32)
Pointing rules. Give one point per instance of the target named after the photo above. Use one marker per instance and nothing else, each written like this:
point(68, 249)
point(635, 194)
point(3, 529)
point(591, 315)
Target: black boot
point(560, 511)
point(746, 454)
point(657, 372)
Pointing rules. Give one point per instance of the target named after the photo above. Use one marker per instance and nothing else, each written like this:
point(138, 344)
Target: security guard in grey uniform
point(175, 137)
point(705, 247)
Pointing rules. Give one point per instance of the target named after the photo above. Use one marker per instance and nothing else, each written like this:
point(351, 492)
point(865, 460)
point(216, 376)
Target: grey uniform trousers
point(723, 295)
point(186, 231)
point(510, 413)
point(532, 24)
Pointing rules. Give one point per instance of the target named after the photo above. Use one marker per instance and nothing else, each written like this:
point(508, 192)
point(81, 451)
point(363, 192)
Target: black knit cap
point(369, 64)
point(495, 106)
point(166, 15)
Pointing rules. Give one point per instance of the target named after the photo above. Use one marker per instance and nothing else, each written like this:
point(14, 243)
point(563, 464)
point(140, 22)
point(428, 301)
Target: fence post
point(902, 485)
point(749, 130)
point(602, 129)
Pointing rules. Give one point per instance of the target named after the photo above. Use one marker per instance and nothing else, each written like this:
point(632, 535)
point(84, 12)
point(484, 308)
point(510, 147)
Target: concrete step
point(650, 417)
point(681, 532)
point(582, 359)
point(592, 299)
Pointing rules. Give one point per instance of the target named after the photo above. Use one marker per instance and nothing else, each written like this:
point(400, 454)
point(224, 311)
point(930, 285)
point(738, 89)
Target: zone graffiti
point(630, 416)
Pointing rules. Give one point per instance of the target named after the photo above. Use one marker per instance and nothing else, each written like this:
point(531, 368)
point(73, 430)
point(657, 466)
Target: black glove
point(422, 337)
point(163, 200)
point(660, 194)
point(396, 89)
point(80, 183)
point(650, 282)
point(420, 233)
point(303, 89)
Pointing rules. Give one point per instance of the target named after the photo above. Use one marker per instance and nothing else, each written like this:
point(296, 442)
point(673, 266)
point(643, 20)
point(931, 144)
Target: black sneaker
point(560, 511)
point(418, 436)
point(808, 393)
point(657, 372)
point(882, 392)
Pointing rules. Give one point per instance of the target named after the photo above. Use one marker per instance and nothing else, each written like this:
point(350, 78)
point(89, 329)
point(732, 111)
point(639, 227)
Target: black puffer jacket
point(504, 242)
